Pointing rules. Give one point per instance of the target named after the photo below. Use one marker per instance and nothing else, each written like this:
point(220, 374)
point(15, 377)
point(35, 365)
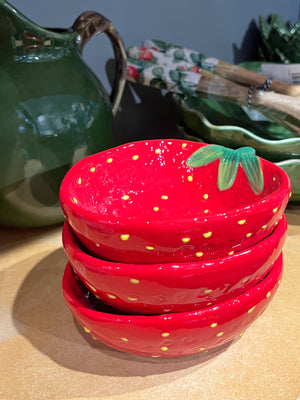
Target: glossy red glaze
point(161, 288)
point(172, 335)
point(140, 203)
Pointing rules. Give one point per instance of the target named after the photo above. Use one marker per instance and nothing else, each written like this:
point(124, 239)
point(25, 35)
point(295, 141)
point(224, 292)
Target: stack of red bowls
point(174, 247)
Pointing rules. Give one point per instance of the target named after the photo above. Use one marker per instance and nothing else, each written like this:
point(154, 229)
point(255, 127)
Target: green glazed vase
point(54, 111)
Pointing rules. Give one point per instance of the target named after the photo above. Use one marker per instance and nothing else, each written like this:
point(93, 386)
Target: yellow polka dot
point(249, 234)
point(124, 237)
point(199, 254)
point(132, 298)
point(207, 291)
point(135, 157)
point(241, 334)
point(275, 210)
point(220, 334)
point(109, 160)
point(93, 169)
point(190, 178)
point(155, 208)
point(205, 196)
point(164, 348)
point(185, 240)
point(93, 337)
point(241, 221)
point(134, 281)
point(290, 195)
point(165, 334)
point(231, 253)
point(75, 200)
point(125, 197)
point(207, 235)
point(209, 304)
point(91, 287)
point(213, 325)
point(155, 356)
point(184, 145)
point(206, 211)
point(164, 197)
point(86, 329)
point(279, 282)
point(250, 310)
point(97, 245)
point(124, 339)
point(201, 348)
point(268, 294)
point(274, 179)
point(264, 226)
point(111, 296)
point(157, 151)
point(149, 248)
point(79, 181)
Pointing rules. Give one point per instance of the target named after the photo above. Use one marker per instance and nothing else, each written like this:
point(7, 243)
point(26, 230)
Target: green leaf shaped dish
point(197, 120)
point(228, 125)
point(223, 113)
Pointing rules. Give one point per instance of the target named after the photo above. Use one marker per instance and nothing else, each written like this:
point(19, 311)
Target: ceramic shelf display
point(54, 111)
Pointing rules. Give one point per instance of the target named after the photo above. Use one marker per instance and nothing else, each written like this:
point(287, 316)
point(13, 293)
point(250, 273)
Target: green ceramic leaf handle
point(228, 166)
point(88, 25)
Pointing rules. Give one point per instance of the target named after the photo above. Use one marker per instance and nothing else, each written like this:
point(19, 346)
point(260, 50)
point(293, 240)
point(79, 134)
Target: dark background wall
point(222, 29)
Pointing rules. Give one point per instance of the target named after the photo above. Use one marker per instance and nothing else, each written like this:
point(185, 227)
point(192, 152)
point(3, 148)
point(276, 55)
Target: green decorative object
point(229, 163)
point(223, 113)
point(292, 168)
point(54, 111)
point(280, 42)
point(284, 152)
point(204, 121)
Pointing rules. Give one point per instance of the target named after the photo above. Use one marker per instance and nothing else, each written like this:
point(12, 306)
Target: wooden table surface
point(45, 354)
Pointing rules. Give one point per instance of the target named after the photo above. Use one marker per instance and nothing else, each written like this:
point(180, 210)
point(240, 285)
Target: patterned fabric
point(180, 53)
point(167, 66)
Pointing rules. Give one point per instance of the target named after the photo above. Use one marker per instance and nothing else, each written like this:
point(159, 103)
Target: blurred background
point(224, 30)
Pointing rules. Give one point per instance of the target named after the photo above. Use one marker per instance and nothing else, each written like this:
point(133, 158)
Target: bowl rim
point(137, 223)
point(262, 290)
point(144, 271)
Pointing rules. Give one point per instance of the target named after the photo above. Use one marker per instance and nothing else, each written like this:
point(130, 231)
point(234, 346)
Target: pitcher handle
point(88, 25)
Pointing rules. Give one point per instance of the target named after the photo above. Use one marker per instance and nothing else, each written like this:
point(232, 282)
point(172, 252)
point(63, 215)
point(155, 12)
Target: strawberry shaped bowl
point(173, 287)
point(169, 335)
point(169, 200)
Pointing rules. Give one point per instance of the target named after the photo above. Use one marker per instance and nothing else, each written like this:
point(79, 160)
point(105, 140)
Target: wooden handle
point(284, 108)
point(251, 78)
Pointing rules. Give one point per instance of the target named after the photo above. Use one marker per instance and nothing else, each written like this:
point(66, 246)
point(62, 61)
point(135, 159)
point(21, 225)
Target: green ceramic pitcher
point(54, 111)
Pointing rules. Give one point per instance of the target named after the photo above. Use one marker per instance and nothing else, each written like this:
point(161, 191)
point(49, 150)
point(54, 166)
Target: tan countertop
point(45, 354)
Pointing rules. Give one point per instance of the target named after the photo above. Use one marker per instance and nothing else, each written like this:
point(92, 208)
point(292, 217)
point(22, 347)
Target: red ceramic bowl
point(164, 288)
point(171, 335)
point(141, 203)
